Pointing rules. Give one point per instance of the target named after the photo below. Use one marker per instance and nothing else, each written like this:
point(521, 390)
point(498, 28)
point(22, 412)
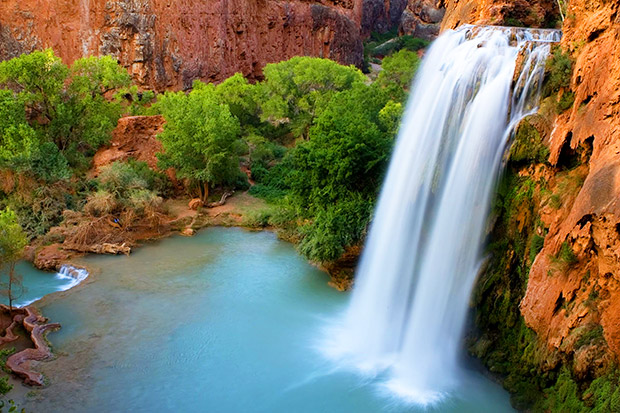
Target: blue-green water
point(226, 321)
point(37, 284)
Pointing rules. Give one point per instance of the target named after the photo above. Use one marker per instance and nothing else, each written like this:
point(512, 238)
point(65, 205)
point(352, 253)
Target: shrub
point(566, 254)
point(592, 334)
point(120, 178)
point(257, 219)
point(536, 244)
point(155, 180)
point(101, 203)
point(566, 101)
point(559, 72)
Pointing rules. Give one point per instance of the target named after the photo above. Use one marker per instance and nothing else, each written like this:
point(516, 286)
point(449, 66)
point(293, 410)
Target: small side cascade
point(66, 278)
point(72, 274)
point(408, 309)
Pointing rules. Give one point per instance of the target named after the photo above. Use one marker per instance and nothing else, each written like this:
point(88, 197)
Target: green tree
point(198, 138)
point(334, 178)
point(293, 91)
point(72, 108)
point(19, 142)
point(241, 97)
point(13, 240)
point(397, 73)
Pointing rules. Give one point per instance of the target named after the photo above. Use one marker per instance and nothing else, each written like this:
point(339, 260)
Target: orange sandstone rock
point(167, 44)
point(590, 224)
point(134, 137)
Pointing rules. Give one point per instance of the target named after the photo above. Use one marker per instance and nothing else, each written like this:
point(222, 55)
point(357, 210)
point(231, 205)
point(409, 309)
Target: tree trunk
point(10, 292)
point(205, 192)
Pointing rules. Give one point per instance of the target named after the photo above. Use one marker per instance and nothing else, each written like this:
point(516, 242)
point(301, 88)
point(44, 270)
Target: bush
point(120, 178)
point(536, 245)
point(155, 180)
point(566, 254)
point(566, 101)
point(257, 219)
point(334, 228)
point(126, 185)
point(101, 203)
point(144, 201)
point(241, 182)
point(49, 164)
point(41, 208)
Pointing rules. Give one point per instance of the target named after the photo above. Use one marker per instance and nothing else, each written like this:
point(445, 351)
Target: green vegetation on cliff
point(540, 379)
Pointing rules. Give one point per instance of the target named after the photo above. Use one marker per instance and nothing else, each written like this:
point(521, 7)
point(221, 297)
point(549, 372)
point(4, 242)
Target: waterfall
point(71, 275)
point(408, 308)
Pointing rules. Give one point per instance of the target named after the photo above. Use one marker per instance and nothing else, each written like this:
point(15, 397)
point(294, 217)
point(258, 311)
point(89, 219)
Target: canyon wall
point(167, 44)
point(559, 305)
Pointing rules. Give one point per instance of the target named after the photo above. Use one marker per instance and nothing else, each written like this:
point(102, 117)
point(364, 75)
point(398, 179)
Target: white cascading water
point(73, 276)
point(408, 309)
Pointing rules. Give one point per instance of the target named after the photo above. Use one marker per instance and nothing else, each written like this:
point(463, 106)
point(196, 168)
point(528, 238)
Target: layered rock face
point(167, 44)
point(587, 134)
point(528, 13)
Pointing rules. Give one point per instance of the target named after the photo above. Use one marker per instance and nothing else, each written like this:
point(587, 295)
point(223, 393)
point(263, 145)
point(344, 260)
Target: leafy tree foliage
point(295, 90)
point(335, 176)
point(241, 98)
point(19, 142)
point(397, 74)
point(199, 137)
point(43, 101)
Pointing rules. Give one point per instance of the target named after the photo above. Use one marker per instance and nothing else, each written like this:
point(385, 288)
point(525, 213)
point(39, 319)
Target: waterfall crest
point(422, 255)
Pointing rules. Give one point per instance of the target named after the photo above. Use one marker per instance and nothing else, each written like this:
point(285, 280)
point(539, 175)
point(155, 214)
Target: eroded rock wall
point(167, 44)
point(588, 133)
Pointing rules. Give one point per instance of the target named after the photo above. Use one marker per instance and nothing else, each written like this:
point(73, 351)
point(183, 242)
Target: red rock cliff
point(563, 300)
point(168, 44)
point(590, 224)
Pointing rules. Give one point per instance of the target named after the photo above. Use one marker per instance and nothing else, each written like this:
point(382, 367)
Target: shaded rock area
point(22, 363)
point(422, 18)
point(381, 15)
